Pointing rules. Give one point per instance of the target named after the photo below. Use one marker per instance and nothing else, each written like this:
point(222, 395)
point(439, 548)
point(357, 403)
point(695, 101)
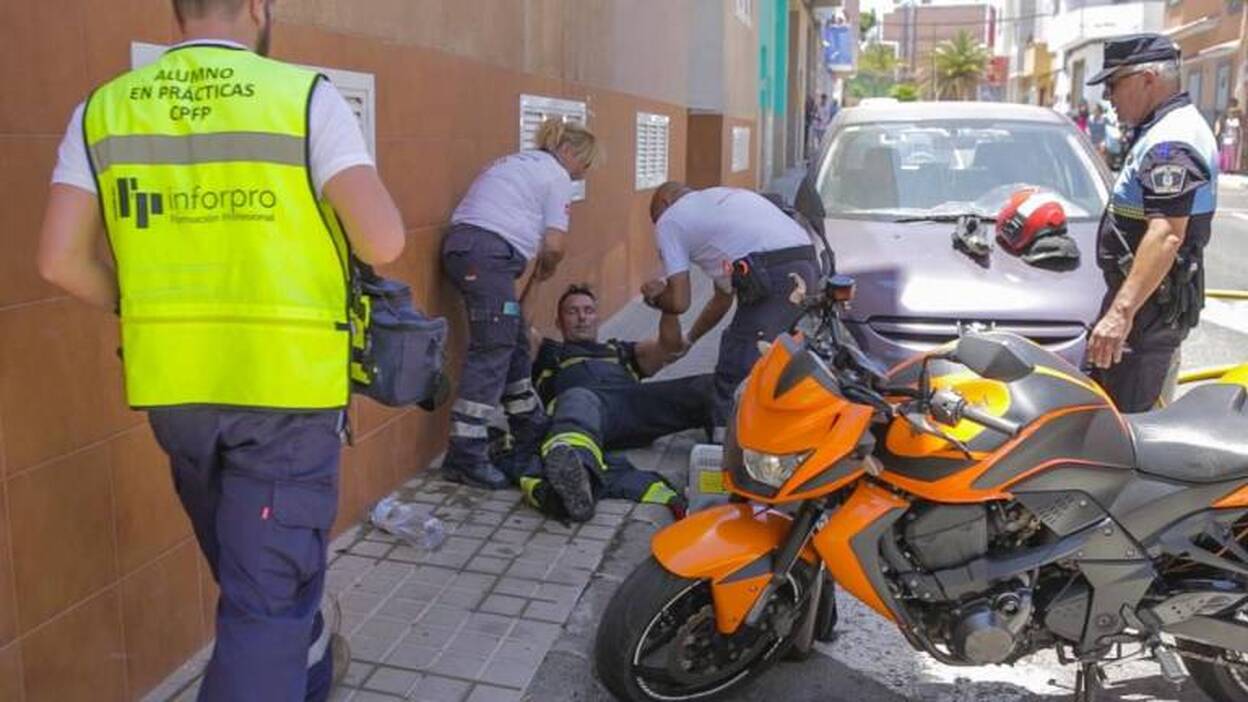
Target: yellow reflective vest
point(234, 277)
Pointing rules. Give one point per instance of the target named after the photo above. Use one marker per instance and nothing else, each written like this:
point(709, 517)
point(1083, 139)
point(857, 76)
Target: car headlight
point(770, 469)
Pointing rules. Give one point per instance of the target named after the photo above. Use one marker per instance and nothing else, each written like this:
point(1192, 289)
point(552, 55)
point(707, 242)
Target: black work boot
point(481, 475)
point(568, 475)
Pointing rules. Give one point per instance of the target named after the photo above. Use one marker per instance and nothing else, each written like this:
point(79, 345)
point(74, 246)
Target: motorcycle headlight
point(770, 469)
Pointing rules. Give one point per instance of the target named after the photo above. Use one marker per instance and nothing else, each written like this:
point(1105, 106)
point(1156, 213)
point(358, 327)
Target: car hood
point(911, 270)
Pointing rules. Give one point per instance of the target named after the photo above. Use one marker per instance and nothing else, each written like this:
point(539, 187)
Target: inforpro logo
point(197, 205)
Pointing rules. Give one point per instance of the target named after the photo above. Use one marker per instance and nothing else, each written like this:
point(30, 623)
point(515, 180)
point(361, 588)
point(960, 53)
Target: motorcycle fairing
point(850, 543)
point(731, 546)
point(790, 404)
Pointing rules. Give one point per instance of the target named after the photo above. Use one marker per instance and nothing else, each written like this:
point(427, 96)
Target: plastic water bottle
point(706, 477)
point(409, 522)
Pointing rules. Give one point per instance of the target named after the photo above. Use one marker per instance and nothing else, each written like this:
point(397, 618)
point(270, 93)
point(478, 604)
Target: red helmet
point(1029, 215)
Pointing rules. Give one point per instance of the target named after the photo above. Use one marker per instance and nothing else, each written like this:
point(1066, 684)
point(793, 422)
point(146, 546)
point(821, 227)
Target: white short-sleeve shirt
point(519, 197)
point(335, 140)
point(712, 228)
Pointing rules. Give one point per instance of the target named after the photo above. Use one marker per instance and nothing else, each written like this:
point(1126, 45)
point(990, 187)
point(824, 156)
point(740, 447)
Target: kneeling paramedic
point(752, 251)
point(1153, 234)
point(599, 405)
point(233, 313)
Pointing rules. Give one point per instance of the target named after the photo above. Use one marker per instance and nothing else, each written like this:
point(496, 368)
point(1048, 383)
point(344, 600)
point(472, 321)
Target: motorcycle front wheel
point(658, 639)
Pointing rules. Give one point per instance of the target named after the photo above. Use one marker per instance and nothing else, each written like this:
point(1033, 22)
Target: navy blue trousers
point(497, 366)
point(261, 491)
point(761, 321)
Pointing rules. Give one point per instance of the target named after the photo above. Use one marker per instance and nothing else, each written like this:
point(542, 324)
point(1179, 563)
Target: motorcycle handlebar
point(990, 421)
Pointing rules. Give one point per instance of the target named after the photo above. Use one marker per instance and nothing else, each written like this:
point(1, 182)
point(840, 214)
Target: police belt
point(750, 277)
point(782, 256)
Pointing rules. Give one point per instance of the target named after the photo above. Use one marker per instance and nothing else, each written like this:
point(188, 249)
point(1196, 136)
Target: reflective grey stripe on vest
point(254, 147)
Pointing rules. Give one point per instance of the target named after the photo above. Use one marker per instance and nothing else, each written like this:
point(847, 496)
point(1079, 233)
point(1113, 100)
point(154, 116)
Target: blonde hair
point(555, 133)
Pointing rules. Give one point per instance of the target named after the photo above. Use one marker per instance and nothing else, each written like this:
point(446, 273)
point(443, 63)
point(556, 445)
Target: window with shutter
point(360, 89)
point(653, 138)
point(535, 109)
point(740, 149)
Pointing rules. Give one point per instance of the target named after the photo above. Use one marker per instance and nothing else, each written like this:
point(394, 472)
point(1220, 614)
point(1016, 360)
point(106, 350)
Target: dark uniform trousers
point(1136, 382)
point(261, 491)
point(624, 417)
point(497, 367)
point(762, 321)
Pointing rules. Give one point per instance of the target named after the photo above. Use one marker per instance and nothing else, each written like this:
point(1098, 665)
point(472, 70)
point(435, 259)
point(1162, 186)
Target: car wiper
point(951, 217)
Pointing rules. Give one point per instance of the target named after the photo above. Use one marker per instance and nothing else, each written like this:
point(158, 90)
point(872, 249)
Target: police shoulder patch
point(1168, 179)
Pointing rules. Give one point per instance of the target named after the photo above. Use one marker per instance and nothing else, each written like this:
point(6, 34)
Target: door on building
point(1222, 94)
point(1077, 71)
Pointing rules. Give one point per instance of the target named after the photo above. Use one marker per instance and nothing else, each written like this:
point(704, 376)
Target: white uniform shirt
point(335, 141)
point(519, 197)
point(712, 228)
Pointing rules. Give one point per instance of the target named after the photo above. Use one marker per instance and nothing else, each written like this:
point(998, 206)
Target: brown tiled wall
point(102, 590)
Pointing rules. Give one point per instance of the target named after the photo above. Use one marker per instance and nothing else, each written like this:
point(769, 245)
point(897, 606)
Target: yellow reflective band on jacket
point(659, 493)
point(576, 440)
point(233, 275)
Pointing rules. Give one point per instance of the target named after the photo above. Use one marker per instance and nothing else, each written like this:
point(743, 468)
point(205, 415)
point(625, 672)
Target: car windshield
point(894, 170)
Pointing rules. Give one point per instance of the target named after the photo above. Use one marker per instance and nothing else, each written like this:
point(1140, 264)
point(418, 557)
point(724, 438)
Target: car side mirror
point(991, 357)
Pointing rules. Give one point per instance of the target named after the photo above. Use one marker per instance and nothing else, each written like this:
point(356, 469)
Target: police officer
point(219, 176)
point(515, 212)
point(598, 405)
point(1152, 235)
point(754, 253)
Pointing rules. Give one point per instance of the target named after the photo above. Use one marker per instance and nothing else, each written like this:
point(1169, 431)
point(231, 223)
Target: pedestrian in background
point(1082, 117)
point(233, 317)
point(1098, 130)
point(1229, 131)
point(515, 214)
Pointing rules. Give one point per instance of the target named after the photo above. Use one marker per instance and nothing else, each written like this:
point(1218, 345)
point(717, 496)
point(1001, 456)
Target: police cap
point(1135, 49)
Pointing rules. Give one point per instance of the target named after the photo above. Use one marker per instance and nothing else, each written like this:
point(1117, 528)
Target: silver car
point(889, 185)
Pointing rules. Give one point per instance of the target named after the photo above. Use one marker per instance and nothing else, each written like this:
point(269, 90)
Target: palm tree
point(877, 68)
point(957, 66)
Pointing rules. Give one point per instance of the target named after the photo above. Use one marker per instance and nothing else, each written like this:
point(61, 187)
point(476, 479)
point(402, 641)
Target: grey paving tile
point(433, 575)
point(496, 506)
point(607, 519)
point(461, 599)
point(479, 582)
point(483, 517)
point(475, 531)
point(544, 554)
point(376, 584)
point(460, 544)
point(393, 681)
point(472, 643)
point(554, 592)
point(526, 652)
point(371, 649)
point(435, 688)
point(489, 693)
point(413, 657)
point(449, 559)
point(458, 665)
point(357, 672)
point(557, 613)
point(503, 604)
point(532, 570)
point(484, 564)
point(506, 535)
point(439, 615)
point(340, 694)
point(582, 560)
point(596, 532)
point(553, 527)
point(402, 609)
point(614, 507)
point(515, 587)
point(524, 521)
point(385, 629)
point(485, 623)
point(370, 696)
point(548, 539)
point(352, 564)
point(451, 514)
point(370, 549)
point(380, 536)
point(541, 633)
point(497, 550)
point(407, 554)
point(419, 591)
point(359, 602)
point(569, 576)
point(509, 673)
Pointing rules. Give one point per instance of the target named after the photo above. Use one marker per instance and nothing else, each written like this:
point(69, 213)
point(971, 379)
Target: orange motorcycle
point(986, 497)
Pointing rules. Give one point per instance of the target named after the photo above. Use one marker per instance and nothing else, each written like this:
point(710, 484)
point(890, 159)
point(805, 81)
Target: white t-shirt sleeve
point(671, 246)
point(336, 143)
point(335, 139)
point(72, 167)
point(558, 205)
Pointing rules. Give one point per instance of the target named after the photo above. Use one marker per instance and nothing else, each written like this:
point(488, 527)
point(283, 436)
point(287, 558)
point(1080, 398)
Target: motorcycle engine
point(988, 629)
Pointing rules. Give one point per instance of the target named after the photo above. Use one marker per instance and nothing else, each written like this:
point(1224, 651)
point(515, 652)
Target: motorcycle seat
point(1202, 437)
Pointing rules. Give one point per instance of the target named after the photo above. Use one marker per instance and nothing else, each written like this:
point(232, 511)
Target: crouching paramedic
point(599, 405)
point(752, 251)
point(231, 283)
point(516, 211)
